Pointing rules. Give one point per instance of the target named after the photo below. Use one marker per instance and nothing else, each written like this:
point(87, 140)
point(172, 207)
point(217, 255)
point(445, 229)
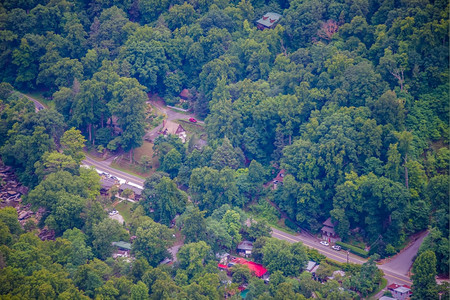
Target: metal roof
point(123, 245)
point(269, 19)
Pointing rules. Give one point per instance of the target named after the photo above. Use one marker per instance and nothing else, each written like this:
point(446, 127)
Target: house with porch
point(328, 231)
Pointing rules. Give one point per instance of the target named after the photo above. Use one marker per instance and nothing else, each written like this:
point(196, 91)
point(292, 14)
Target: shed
point(268, 21)
point(311, 264)
point(122, 245)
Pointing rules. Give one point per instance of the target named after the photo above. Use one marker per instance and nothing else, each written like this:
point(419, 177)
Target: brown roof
point(170, 127)
point(280, 176)
point(329, 223)
point(185, 94)
point(328, 229)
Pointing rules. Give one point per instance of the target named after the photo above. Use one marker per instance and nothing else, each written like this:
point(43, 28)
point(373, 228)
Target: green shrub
point(291, 224)
point(353, 249)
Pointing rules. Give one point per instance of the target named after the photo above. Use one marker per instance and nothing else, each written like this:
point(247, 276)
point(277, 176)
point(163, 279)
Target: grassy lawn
point(135, 168)
point(132, 169)
point(192, 128)
point(124, 209)
point(276, 225)
point(145, 149)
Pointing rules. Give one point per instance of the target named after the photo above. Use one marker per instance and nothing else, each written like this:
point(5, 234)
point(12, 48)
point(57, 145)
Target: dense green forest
point(350, 98)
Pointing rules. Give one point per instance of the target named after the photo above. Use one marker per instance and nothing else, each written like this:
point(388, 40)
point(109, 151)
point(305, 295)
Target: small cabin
point(268, 21)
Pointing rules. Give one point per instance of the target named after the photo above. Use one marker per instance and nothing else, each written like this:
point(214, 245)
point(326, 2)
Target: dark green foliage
point(353, 249)
point(424, 283)
point(349, 97)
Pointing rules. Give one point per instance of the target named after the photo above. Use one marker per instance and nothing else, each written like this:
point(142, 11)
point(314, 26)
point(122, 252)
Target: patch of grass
point(131, 169)
point(271, 223)
point(124, 209)
point(145, 149)
point(192, 128)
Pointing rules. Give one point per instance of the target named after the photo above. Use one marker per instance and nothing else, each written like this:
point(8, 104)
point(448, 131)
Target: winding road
point(395, 270)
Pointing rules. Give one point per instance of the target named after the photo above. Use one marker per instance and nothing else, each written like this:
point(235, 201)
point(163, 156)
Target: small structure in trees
point(328, 229)
point(268, 21)
point(170, 127)
point(279, 179)
point(185, 94)
point(245, 248)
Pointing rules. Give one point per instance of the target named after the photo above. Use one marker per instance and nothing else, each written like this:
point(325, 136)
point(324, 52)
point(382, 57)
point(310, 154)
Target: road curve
point(340, 256)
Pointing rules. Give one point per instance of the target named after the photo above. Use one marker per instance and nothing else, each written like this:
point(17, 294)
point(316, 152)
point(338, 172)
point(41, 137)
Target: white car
point(325, 243)
point(336, 247)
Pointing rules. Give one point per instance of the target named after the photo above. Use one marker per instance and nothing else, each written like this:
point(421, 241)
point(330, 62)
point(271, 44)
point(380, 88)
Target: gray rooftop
point(107, 183)
point(269, 19)
point(245, 245)
point(402, 289)
point(136, 190)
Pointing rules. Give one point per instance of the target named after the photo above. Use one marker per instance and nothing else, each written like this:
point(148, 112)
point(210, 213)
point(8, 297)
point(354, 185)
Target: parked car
point(192, 120)
point(325, 243)
point(336, 247)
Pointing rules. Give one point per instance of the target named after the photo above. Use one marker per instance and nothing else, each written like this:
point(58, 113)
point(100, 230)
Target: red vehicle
point(192, 120)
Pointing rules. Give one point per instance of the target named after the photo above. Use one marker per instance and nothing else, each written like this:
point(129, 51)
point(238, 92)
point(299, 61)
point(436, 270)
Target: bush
point(353, 249)
point(291, 224)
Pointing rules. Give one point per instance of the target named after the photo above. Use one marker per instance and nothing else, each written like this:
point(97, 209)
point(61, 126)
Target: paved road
point(395, 270)
point(403, 261)
point(104, 167)
point(37, 105)
point(391, 275)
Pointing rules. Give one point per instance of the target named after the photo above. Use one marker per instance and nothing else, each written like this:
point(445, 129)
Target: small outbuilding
point(268, 21)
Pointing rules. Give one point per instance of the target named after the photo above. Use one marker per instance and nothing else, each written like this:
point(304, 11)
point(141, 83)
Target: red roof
point(221, 266)
point(394, 286)
point(280, 175)
point(255, 268)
